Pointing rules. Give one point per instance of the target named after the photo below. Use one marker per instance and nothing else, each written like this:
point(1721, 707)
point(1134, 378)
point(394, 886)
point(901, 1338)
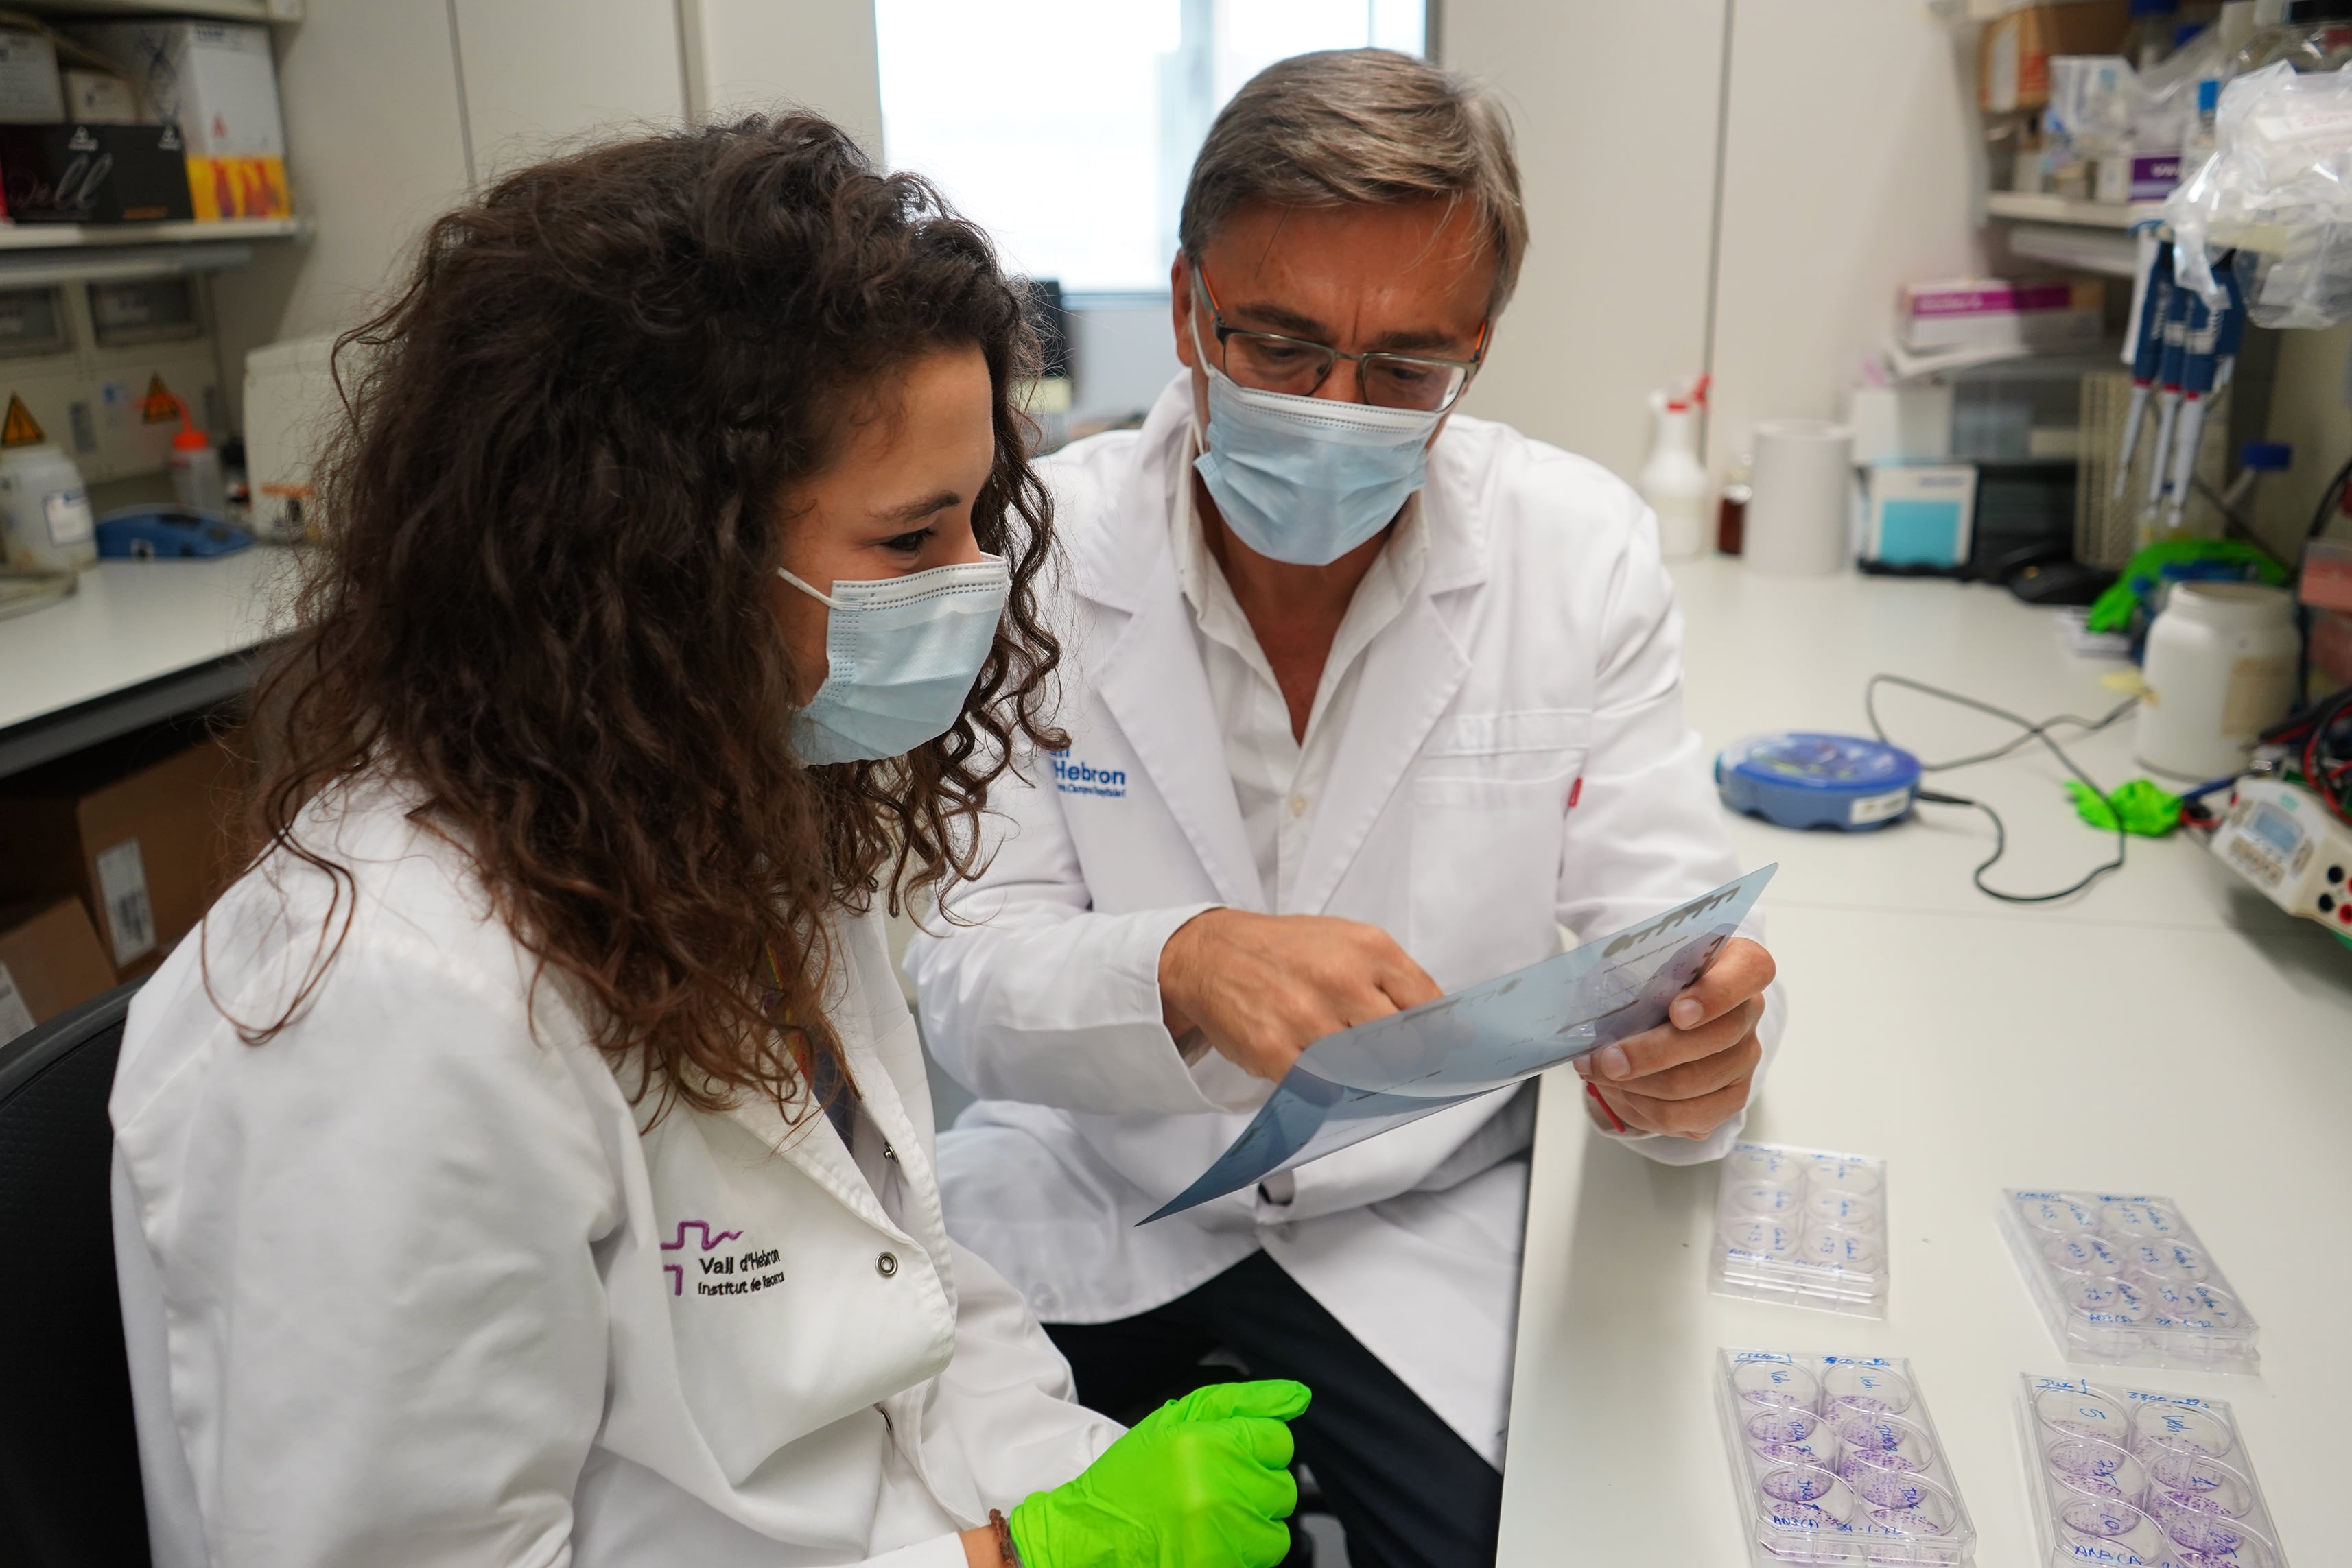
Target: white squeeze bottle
point(1674, 481)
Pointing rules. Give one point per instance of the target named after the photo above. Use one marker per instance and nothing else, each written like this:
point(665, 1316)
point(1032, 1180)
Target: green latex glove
point(1201, 1482)
point(2139, 806)
point(2112, 610)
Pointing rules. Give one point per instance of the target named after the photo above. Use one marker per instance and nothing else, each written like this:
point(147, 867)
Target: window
point(1066, 128)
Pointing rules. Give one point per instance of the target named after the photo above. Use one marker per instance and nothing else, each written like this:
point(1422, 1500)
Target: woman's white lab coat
point(1516, 760)
point(408, 1283)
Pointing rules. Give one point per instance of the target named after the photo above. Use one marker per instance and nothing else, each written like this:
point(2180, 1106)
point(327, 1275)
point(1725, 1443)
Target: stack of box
point(217, 81)
point(117, 845)
point(2014, 50)
point(77, 145)
point(145, 121)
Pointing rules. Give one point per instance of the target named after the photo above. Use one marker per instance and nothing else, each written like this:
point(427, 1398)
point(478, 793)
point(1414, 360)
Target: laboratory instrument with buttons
point(2281, 838)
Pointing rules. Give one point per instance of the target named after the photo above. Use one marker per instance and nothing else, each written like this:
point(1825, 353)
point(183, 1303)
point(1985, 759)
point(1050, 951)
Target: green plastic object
point(2112, 610)
point(1201, 1482)
point(2139, 806)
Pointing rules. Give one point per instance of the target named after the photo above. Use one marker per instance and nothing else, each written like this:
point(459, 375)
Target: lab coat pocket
point(1485, 871)
point(788, 1312)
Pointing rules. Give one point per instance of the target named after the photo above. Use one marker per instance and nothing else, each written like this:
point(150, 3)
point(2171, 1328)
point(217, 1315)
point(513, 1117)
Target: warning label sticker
point(159, 406)
point(20, 429)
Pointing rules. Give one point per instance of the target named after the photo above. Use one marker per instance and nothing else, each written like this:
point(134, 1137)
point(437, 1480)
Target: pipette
point(2168, 393)
point(2200, 365)
point(2147, 354)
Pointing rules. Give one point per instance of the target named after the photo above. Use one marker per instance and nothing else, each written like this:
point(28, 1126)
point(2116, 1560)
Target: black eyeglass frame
point(1226, 330)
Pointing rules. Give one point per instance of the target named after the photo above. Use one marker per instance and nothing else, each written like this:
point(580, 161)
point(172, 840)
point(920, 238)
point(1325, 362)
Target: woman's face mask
point(901, 655)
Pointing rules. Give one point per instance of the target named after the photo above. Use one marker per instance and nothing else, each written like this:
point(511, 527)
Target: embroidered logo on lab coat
point(1085, 778)
point(727, 1274)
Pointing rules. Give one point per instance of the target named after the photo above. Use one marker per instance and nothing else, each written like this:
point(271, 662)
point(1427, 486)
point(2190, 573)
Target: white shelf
point(63, 237)
point(212, 10)
point(2041, 208)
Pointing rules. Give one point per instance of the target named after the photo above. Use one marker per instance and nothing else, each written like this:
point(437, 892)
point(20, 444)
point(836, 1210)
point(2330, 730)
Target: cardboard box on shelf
point(30, 92)
point(49, 961)
point(94, 174)
point(145, 845)
point(2013, 52)
point(219, 83)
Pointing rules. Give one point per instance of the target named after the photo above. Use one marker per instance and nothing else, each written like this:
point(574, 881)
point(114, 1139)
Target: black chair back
point(69, 1451)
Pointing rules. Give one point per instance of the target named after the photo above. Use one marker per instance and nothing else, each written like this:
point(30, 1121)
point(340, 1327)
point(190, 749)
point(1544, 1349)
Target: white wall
point(755, 54)
point(1616, 110)
point(396, 109)
point(541, 72)
point(1845, 171)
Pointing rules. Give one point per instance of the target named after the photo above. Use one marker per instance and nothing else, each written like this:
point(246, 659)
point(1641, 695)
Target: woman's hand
point(1201, 1482)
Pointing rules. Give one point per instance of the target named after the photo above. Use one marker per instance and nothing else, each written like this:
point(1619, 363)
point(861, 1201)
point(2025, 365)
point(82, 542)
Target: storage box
point(218, 81)
point(49, 961)
point(1920, 516)
point(30, 92)
point(94, 174)
point(146, 851)
point(2000, 312)
point(2013, 53)
point(103, 97)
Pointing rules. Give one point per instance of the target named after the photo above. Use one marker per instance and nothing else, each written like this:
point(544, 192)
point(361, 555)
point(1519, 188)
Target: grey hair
point(1343, 127)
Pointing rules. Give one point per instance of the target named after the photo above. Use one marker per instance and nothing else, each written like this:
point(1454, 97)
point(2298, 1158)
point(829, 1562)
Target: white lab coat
point(407, 1283)
point(1517, 761)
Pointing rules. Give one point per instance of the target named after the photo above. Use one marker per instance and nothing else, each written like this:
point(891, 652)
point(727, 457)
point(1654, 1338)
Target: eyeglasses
point(1271, 362)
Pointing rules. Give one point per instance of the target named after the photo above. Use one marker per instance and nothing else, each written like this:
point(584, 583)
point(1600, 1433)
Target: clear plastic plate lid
point(1804, 1227)
point(2123, 1278)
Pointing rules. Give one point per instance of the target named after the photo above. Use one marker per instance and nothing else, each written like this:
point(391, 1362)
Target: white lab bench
point(2171, 1032)
point(137, 641)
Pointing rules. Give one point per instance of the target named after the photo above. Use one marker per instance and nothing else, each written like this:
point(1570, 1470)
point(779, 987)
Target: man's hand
point(1264, 988)
point(1692, 1074)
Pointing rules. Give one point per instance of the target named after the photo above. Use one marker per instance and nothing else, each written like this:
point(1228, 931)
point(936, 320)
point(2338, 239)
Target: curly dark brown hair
point(543, 603)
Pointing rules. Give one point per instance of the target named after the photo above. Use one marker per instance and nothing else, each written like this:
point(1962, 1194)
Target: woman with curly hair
point(531, 1161)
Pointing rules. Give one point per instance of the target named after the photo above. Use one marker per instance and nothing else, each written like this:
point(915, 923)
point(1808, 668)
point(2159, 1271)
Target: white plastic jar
point(2220, 671)
point(45, 511)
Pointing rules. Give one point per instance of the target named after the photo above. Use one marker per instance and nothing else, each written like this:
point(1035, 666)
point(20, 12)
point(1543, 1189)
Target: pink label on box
point(1993, 300)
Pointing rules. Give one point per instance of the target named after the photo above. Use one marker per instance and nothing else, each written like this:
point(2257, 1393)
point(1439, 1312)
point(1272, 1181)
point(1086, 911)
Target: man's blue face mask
point(1308, 479)
point(900, 657)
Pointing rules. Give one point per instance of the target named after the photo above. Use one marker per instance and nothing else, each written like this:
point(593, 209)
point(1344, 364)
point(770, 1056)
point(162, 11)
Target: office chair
point(68, 1453)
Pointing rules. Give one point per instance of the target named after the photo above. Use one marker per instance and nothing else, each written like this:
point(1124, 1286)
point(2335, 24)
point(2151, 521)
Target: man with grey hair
point(1366, 700)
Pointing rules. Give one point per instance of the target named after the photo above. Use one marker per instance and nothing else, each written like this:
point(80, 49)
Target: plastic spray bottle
point(1674, 481)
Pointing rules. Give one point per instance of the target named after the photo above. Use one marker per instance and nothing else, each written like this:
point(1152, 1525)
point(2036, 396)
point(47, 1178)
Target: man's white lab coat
point(1516, 761)
point(407, 1282)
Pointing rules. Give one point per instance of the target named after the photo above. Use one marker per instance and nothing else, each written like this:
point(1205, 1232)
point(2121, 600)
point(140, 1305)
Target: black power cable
point(2029, 732)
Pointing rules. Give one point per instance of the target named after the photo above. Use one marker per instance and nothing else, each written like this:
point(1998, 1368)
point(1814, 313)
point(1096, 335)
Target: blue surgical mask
point(1308, 479)
point(901, 655)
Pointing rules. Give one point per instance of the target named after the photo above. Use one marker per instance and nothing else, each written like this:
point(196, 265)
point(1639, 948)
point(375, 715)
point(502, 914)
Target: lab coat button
point(1298, 805)
point(886, 1264)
